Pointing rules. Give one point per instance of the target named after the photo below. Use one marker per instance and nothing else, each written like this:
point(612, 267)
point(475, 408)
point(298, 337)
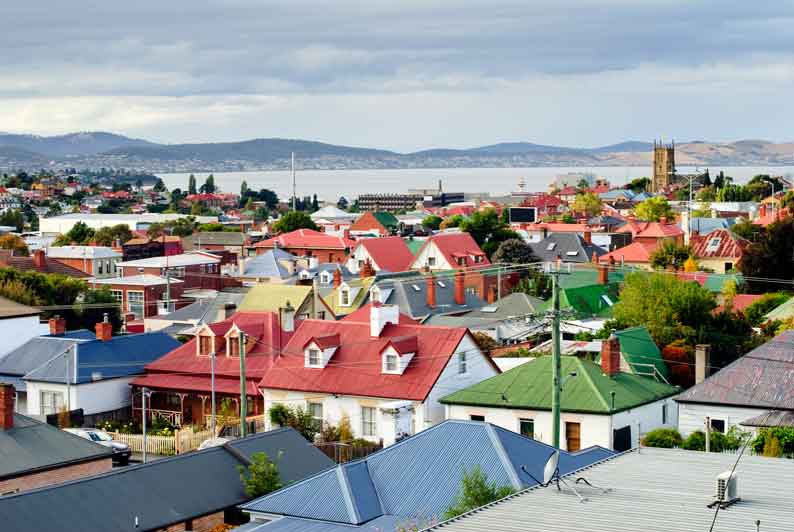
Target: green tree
point(89, 314)
point(588, 204)
point(209, 185)
point(432, 222)
point(487, 230)
point(243, 190)
point(706, 194)
point(639, 184)
point(297, 417)
point(80, 233)
point(292, 221)
point(582, 185)
point(536, 284)
point(719, 181)
point(771, 256)
point(13, 218)
point(756, 311)
point(670, 255)
point(159, 186)
point(261, 476)
point(453, 221)
point(514, 251)
point(732, 192)
point(191, 185)
point(315, 204)
point(668, 307)
point(747, 230)
point(475, 491)
point(654, 209)
point(664, 438)
point(106, 236)
point(15, 244)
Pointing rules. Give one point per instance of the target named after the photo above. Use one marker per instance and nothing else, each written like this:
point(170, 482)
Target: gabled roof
point(162, 492)
point(410, 294)
point(32, 446)
point(306, 239)
point(526, 387)
point(781, 312)
point(388, 253)
point(359, 289)
point(740, 302)
point(331, 212)
point(268, 264)
point(362, 315)
point(639, 350)
point(760, 379)
point(375, 221)
point(706, 225)
point(453, 245)
point(82, 252)
point(570, 247)
point(588, 300)
point(417, 478)
point(25, 264)
point(204, 310)
point(355, 368)
point(651, 229)
point(636, 252)
point(719, 243)
point(121, 356)
point(510, 306)
point(266, 297)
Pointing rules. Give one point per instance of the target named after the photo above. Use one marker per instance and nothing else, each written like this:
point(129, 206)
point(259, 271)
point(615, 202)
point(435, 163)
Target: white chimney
point(287, 318)
point(313, 262)
point(380, 315)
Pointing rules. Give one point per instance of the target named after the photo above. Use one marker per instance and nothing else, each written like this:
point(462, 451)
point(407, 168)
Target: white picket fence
point(183, 441)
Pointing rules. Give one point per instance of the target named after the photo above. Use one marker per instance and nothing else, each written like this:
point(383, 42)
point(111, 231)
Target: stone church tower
point(663, 165)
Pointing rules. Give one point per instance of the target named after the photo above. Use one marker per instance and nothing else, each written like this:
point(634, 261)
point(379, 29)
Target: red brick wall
point(86, 266)
point(55, 476)
point(200, 524)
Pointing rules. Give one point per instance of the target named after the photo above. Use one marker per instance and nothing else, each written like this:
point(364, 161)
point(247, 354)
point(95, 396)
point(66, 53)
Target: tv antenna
point(551, 473)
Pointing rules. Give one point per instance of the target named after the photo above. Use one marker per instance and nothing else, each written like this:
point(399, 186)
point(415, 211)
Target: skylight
point(607, 300)
point(713, 244)
point(416, 288)
point(441, 284)
point(572, 253)
point(489, 309)
point(551, 246)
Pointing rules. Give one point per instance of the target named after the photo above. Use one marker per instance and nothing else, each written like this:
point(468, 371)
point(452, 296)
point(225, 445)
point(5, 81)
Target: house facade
point(18, 324)
point(307, 242)
point(195, 270)
point(380, 371)
point(145, 295)
point(449, 251)
point(719, 250)
point(97, 261)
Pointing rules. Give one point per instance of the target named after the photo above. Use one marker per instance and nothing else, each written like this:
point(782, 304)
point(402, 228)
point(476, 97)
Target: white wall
point(692, 417)
point(594, 429)
point(92, 397)
point(427, 251)
point(16, 331)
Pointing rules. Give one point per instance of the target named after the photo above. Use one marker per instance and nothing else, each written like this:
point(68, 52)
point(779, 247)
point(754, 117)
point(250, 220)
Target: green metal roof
point(528, 387)
point(588, 300)
point(414, 245)
point(639, 350)
point(387, 219)
point(584, 276)
point(782, 312)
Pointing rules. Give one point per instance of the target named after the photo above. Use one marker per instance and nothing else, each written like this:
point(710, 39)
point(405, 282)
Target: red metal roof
point(355, 368)
point(741, 302)
point(727, 244)
point(634, 252)
point(406, 344)
point(448, 244)
point(195, 383)
point(388, 253)
point(650, 229)
point(324, 342)
point(362, 315)
point(307, 239)
point(183, 366)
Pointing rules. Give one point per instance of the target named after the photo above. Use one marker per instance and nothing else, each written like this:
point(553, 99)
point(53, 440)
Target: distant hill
point(93, 150)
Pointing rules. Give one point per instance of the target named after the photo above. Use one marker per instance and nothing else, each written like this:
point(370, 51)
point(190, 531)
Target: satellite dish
point(550, 469)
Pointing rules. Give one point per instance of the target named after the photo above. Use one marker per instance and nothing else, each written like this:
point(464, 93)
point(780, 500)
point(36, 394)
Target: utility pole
point(499, 281)
point(243, 391)
point(556, 381)
point(293, 181)
point(71, 351)
point(144, 394)
point(316, 294)
point(212, 393)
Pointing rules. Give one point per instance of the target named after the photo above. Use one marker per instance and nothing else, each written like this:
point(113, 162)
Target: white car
point(121, 451)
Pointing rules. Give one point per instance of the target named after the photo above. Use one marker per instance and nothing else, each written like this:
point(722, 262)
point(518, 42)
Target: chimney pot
point(603, 274)
point(57, 326)
point(610, 356)
point(702, 362)
point(431, 291)
point(337, 278)
point(460, 290)
point(7, 395)
point(588, 237)
point(104, 330)
point(39, 259)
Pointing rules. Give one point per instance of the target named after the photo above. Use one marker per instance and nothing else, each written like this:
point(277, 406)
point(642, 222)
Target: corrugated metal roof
point(415, 479)
point(639, 350)
point(654, 490)
point(265, 297)
point(159, 493)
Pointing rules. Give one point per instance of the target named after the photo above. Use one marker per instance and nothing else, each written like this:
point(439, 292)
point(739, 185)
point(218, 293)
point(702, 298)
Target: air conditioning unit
point(727, 488)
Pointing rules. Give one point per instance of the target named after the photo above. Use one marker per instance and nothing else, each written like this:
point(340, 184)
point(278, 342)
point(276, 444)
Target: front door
point(572, 436)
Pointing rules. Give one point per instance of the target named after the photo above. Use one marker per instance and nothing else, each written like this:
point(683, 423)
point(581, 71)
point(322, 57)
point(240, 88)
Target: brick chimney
point(491, 295)
point(702, 362)
point(39, 259)
point(460, 290)
point(610, 356)
point(762, 210)
point(603, 274)
point(7, 394)
point(337, 278)
point(57, 326)
point(431, 291)
point(588, 237)
point(104, 329)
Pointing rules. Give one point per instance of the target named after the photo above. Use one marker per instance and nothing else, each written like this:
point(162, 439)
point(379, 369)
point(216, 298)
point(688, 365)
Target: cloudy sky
point(400, 74)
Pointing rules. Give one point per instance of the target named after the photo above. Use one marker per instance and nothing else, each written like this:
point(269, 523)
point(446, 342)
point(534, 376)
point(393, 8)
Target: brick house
point(38, 262)
point(97, 261)
point(379, 223)
point(144, 295)
point(309, 243)
point(144, 247)
point(196, 270)
point(36, 454)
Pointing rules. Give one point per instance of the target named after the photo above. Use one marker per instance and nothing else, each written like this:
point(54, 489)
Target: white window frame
point(344, 297)
point(462, 363)
point(369, 421)
point(312, 407)
point(142, 301)
point(389, 358)
point(314, 351)
point(54, 403)
point(118, 295)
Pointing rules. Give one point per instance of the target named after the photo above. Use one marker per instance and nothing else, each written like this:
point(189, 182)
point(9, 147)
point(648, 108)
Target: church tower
point(663, 165)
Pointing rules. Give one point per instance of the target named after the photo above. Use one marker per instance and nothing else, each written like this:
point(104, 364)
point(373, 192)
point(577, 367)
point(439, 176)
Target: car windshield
point(100, 436)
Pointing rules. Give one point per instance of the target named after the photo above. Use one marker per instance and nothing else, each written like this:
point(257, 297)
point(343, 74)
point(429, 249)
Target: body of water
point(329, 185)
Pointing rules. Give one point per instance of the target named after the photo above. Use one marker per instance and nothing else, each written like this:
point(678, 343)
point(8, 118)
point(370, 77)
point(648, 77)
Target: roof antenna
point(551, 473)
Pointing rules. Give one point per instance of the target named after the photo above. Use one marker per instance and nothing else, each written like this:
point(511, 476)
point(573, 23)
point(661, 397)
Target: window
point(118, 295)
point(474, 417)
point(135, 303)
point(431, 261)
point(360, 264)
point(205, 345)
point(314, 357)
point(50, 402)
point(718, 425)
point(100, 267)
point(344, 297)
point(325, 278)
point(477, 259)
point(728, 266)
point(390, 363)
point(369, 425)
point(233, 346)
point(316, 411)
point(664, 414)
point(461, 363)
point(526, 427)
point(461, 261)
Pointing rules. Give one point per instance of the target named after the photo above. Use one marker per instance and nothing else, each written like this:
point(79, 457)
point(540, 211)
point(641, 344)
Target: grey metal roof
point(653, 490)
point(774, 418)
point(707, 225)
point(410, 295)
point(213, 238)
point(158, 493)
point(267, 264)
point(32, 446)
point(207, 310)
point(570, 247)
point(760, 379)
point(510, 306)
point(34, 353)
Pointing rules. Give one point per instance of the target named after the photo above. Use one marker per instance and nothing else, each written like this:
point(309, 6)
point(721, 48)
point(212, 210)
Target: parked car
point(121, 451)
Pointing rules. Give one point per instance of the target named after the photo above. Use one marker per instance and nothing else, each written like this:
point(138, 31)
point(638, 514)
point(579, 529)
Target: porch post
point(203, 409)
point(181, 407)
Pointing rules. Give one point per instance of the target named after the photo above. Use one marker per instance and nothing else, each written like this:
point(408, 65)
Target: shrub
point(261, 476)
point(298, 418)
point(475, 491)
point(764, 442)
point(665, 438)
point(719, 441)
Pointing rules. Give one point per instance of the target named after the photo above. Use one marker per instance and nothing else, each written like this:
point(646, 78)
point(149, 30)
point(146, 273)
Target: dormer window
point(233, 347)
point(461, 261)
point(344, 296)
point(391, 363)
point(397, 354)
point(431, 261)
point(319, 350)
point(314, 357)
point(325, 278)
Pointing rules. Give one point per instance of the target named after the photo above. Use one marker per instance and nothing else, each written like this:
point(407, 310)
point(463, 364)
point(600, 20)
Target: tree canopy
point(588, 204)
point(80, 233)
point(106, 236)
point(432, 222)
point(475, 491)
point(487, 229)
point(653, 209)
point(639, 184)
point(292, 221)
point(261, 476)
point(770, 256)
point(15, 244)
point(191, 185)
point(670, 255)
point(514, 251)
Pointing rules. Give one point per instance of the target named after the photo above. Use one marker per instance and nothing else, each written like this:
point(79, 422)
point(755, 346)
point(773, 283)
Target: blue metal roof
point(417, 478)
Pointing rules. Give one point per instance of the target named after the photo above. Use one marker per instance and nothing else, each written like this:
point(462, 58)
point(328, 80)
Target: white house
point(600, 405)
point(385, 372)
point(753, 384)
point(18, 324)
point(449, 251)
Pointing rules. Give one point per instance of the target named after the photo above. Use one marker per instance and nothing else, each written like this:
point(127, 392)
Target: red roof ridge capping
point(362, 315)
point(325, 341)
point(403, 344)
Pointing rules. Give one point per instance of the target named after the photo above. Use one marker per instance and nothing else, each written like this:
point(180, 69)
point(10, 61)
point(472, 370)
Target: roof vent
point(727, 489)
